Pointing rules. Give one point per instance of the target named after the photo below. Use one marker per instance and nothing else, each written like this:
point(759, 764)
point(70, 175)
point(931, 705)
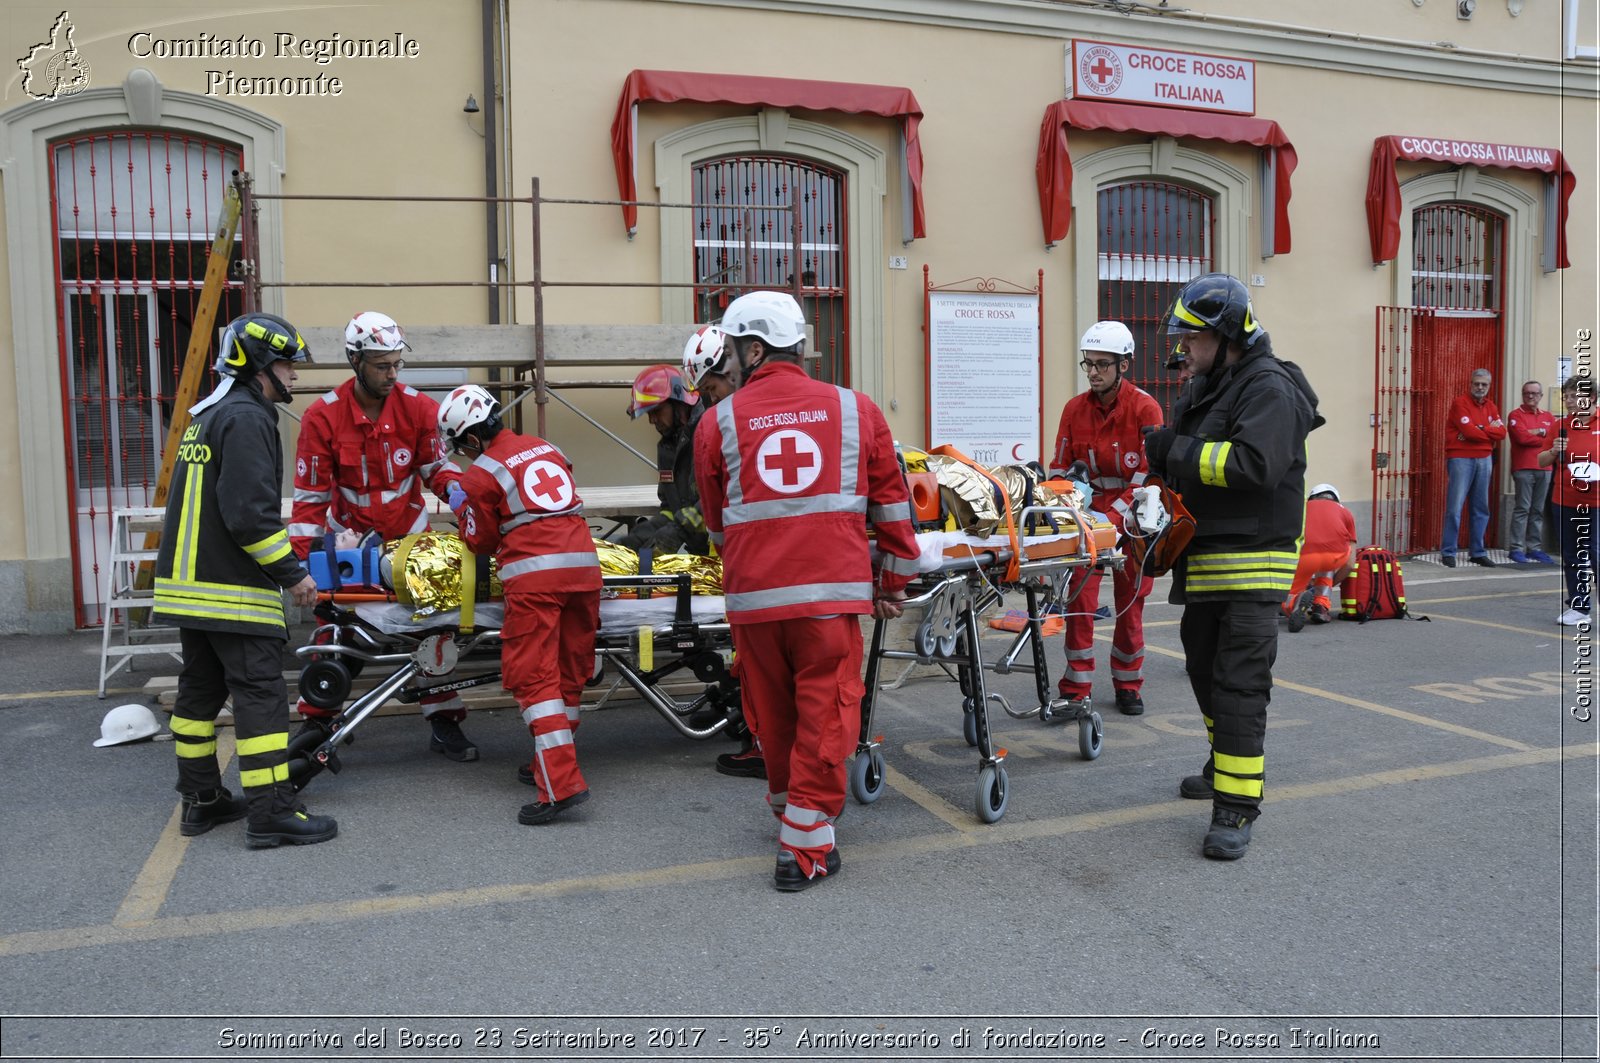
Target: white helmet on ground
point(127, 723)
point(1111, 337)
point(372, 331)
point(774, 318)
point(1325, 489)
point(465, 408)
point(705, 351)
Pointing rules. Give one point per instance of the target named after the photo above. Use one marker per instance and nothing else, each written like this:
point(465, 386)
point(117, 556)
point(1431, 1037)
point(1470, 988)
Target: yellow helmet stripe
point(1182, 313)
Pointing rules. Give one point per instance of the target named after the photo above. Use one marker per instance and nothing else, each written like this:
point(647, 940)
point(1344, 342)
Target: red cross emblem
point(1100, 70)
point(547, 485)
point(789, 461)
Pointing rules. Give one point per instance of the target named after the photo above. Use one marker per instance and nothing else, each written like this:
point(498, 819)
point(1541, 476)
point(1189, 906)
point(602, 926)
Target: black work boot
point(448, 739)
point(1229, 835)
point(295, 827)
point(206, 809)
point(544, 811)
point(1129, 703)
point(1197, 787)
point(788, 877)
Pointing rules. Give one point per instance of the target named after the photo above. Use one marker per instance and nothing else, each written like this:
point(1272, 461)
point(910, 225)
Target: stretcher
point(962, 580)
point(651, 627)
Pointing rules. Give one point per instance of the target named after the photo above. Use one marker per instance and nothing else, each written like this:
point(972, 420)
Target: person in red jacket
point(367, 449)
point(1326, 557)
point(1574, 454)
point(1531, 429)
point(791, 471)
point(1104, 429)
point(519, 501)
point(1473, 428)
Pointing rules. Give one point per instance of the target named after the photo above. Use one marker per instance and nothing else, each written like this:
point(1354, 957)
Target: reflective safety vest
point(225, 555)
point(523, 506)
point(353, 472)
point(791, 472)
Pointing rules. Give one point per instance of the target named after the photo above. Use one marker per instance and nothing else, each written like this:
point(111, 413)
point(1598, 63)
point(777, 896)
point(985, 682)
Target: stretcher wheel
point(994, 792)
point(325, 683)
point(923, 640)
point(946, 645)
point(866, 776)
point(1091, 735)
point(969, 727)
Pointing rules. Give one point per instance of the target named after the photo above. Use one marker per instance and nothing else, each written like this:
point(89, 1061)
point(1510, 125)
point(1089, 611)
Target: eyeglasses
point(389, 367)
point(1097, 367)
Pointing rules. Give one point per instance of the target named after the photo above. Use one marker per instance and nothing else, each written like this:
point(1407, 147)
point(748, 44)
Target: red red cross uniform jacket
point(366, 475)
point(791, 470)
point(523, 506)
point(1110, 441)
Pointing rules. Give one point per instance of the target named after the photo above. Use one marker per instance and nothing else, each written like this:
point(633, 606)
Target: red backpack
point(1376, 590)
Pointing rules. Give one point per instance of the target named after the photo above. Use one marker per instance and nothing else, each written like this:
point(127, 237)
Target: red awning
point(1383, 187)
point(1054, 166)
point(670, 86)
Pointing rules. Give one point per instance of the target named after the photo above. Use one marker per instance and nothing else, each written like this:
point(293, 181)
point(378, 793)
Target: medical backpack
point(1376, 590)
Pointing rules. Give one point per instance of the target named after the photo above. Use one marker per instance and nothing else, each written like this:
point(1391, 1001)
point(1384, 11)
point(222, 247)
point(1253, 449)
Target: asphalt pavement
point(1421, 884)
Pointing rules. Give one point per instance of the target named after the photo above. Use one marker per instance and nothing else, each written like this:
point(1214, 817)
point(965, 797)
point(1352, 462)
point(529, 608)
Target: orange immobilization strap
point(1013, 571)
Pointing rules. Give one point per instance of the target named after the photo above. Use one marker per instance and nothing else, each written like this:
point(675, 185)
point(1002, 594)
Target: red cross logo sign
point(789, 461)
point(547, 485)
point(402, 457)
point(1100, 70)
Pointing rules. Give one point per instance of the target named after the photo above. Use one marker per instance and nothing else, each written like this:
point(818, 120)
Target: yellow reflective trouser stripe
point(195, 738)
point(264, 776)
point(195, 749)
point(248, 747)
point(182, 725)
point(1239, 765)
point(1223, 783)
point(269, 549)
point(1232, 771)
point(1213, 462)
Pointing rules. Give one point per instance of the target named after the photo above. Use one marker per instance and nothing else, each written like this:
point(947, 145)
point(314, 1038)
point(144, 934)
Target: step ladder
point(129, 527)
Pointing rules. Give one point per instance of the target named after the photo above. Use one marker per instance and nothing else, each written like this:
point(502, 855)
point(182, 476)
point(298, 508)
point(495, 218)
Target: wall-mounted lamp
point(1514, 7)
point(1465, 8)
point(471, 106)
point(474, 114)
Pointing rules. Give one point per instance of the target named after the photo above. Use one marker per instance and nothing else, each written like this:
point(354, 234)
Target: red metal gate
point(1153, 238)
point(736, 196)
point(134, 216)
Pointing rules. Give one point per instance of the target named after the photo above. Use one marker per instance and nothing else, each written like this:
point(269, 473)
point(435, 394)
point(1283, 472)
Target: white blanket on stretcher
point(617, 615)
point(933, 544)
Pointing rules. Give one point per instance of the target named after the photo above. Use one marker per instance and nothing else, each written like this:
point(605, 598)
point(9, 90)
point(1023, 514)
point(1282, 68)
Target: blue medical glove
point(457, 498)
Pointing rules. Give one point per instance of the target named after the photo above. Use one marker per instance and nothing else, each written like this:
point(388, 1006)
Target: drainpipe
point(491, 209)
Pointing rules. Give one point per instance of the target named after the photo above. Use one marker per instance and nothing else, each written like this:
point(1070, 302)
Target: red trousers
point(546, 657)
point(801, 682)
point(1319, 570)
point(1129, 589)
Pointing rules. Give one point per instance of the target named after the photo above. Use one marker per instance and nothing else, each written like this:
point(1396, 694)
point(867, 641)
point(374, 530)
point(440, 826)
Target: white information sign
point(1122, 73)
point(984, 375)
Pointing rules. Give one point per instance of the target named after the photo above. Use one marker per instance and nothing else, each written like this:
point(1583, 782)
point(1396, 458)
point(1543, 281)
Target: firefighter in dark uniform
point(224, 563)
point(663, 395)
point(1236, 452)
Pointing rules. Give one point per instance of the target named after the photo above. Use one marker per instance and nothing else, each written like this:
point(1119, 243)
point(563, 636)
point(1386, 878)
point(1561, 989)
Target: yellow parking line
point(1503, 627)
point(37, 695)
point(1372, 706)
point(154, 882)
point(1478, 597)
point(920, 795)
point(303, 915)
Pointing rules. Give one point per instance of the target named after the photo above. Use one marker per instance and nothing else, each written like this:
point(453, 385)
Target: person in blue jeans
point(1474, 429)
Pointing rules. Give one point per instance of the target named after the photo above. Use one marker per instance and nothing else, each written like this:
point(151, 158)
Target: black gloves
point(1157, 445)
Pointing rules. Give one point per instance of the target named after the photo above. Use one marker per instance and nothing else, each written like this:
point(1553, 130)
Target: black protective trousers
point(1229, 648)
point(249, 667)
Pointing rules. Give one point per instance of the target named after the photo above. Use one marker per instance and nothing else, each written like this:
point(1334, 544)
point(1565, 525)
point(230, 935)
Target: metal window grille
point(1153, 238)
point(1456, 258)
point(134, 215)
point(741, 243)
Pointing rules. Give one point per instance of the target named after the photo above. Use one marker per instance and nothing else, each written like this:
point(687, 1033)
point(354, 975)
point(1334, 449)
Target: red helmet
point(656, 385)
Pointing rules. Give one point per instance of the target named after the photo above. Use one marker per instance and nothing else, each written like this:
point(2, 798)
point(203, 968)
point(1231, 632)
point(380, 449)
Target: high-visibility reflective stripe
point(355, 498)
point(849, 442)
point(219, 606)
point(1109, 483)
point(528, 518)
point(777, 802)
point(1224, 783)
point(573, 712)
point(1080, 655)
point(716, 539)
point(730, 450)
point(183, 553)
point(211, 612)
point(552, 740)
point(1280, 585)
point(1239, 765)
point(303, 530)
point(420, 524)
point(1127, 675)
point(400, 490)
point(249, 747)
point(805, 594)
point(272, 548)
point(1213, 462)
point(1182, 313)
point(1267, 570)
point(190, 750)
point(901, 566)
point(303, 495)
point(427, 471)
point(1260, 557)
point(257, 777)
point(890, 513)
point(185, 727)
point(779, 508)
point(220, 591)
point(547, 562)
point(542, 709)
point(805, 828)
point(1127, 658)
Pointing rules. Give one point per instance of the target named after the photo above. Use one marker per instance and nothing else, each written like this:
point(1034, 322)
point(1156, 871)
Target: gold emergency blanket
point(705, 573)
point(431, 576)
point(615, 559)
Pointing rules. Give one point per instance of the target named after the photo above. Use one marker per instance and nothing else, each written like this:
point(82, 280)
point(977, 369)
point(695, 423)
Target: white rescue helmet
point(774, 318)
point(465, 408)
point(1325, 489)
point(372, 331)
point(1112, 337)
point(127, 723)
point(703, 353)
